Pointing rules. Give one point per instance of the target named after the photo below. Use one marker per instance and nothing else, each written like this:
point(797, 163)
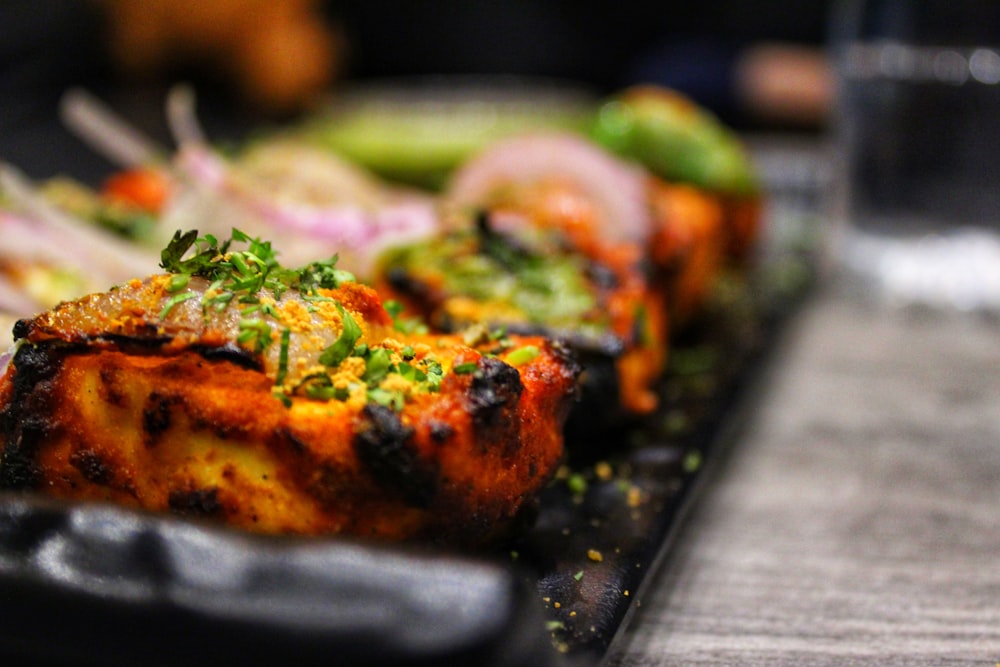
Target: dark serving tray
point(85, 584)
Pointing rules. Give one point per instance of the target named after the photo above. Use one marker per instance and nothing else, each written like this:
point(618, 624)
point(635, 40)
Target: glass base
point(954, 270)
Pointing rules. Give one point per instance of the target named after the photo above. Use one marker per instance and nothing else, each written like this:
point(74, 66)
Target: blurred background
point(760, 66)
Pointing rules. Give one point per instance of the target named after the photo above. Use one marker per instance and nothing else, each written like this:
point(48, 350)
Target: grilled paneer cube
point(280, 402)
point(527, 280)
point(548, 233)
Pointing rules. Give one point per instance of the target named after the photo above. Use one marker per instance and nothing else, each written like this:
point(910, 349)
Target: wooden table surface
point(857, 519)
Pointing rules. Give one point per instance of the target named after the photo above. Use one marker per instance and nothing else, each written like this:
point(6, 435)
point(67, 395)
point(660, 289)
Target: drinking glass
point(917, 130)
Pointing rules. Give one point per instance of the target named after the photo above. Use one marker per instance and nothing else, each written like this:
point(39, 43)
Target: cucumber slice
point(419, 131)
point(675, 139)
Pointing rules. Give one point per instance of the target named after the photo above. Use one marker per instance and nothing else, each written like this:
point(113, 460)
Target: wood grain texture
point(857, 521)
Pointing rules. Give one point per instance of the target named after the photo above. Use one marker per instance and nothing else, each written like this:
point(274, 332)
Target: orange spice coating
point(104, 401)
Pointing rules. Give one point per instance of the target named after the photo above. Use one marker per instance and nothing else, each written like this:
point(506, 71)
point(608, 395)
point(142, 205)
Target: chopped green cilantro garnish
point(377, 365)
point(401, 324)
point(522, 355)
point(393, 307)
point(255, 332)
point(317, 386)
point(286, 337)
point(174, 300)
point(178, 281)
point(245, 272)
point(577, 484)
point(390, 399)
point(410, 325)
point(411, 373)
point(435, 373)
point(323, 274)
point(464, 369)
point(237, 277)
point(342, 347)
point(280, 394)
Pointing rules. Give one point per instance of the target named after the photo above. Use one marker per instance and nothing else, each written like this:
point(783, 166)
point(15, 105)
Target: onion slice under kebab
point(616, 188)
point(58, 234)
point(181, 116)
point(14, 300)
point(311, 202)
point(307, 229)
point(111, 136)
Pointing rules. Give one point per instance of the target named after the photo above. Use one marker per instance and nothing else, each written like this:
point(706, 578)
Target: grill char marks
point(22, 328)
point(196, 503)
point(492, 400)
point(384, 448)
point(156, 416)
point(409, 287)
point(92, 466)
point(496, 387)
point(232, 353)
point(24, 420)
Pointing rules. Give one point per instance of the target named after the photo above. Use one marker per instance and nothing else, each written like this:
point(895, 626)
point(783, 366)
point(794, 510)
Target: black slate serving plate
point(97, 585)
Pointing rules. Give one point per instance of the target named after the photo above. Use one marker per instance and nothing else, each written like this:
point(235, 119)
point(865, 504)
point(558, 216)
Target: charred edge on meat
point(570, 360)
point(402, 282)
point(505, 249)
point(195, 503)
point(298, 446)
point(495, 387)
point(564, 353)
point(23, 429)
point(147, 334)
point(441, 431)
point(92, 466)
point(22, 328)
point(604, 344)
point(593, 417)
point(156, 416)
point(383, 445)
point(232, 353)
point(601, 276)
point(110, 387)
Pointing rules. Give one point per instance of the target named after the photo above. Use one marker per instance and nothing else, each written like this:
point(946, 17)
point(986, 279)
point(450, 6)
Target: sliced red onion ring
point(225, 197)
point(5, 357)
point(13, 299)
point(181, 116)
point(29, 240)
point(95, 123)
point(358, 232)
point(617, 188)
point(73, 240)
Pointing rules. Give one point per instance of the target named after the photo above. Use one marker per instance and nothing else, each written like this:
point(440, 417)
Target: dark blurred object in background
point(709, 49)
point(276, 54)
point(46, 47)
point(756, 65)
point(250, 60)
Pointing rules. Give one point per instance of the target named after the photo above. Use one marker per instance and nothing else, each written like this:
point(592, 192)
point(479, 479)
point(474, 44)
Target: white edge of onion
point(348, 224)
point(105, 250)
point(7, 356)
point(618, 188)
point(106, 132)
point(14, 300)
point(182, 117)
